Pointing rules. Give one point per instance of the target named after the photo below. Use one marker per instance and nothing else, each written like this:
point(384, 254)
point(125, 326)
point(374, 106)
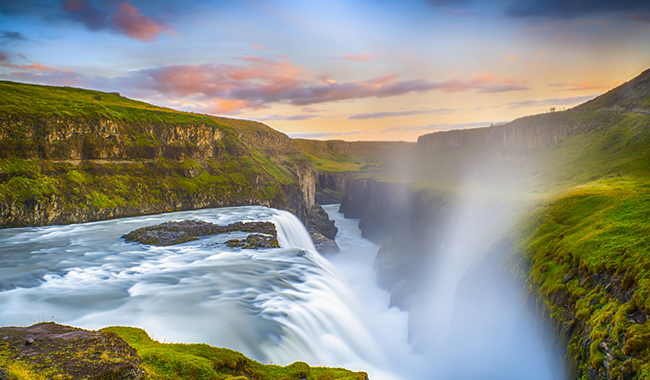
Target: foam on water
point(275, 305)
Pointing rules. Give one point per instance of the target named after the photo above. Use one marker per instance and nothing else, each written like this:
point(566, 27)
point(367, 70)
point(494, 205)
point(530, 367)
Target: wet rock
point(64, 352)
point(323, 244)
point(171, 233)
point(319, 221)
point(254, 241)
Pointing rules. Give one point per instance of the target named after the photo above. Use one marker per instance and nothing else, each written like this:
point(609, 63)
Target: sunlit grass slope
point(201, 361)
point(70, 102)
point(586, 256)
point(337, 156)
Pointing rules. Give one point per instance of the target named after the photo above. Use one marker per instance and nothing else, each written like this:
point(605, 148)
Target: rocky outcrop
point(332, 186)
point(404, 222)
point(254, 241)
point(528, 132)
point(57, 138)
point(62, 352)
point(322, 230)
point(171, 233)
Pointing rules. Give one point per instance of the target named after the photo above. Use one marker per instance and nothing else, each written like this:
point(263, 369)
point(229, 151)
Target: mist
point(469, 315)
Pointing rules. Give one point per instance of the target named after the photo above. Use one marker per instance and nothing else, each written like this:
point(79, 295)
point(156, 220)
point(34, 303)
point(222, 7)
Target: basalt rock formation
point(171, 233)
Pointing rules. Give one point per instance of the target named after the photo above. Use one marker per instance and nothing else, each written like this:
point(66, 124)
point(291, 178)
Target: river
point(274, 305)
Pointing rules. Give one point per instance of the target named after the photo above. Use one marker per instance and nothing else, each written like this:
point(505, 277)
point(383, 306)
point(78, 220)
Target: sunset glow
point(352, 70)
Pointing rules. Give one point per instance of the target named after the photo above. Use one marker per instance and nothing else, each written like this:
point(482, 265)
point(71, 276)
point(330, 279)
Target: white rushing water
point(275, 305)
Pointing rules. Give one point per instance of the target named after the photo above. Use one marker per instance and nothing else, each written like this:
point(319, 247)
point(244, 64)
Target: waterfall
point(275, 305)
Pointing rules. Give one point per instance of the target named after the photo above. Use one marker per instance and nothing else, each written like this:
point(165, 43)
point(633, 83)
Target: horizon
point(352, 71)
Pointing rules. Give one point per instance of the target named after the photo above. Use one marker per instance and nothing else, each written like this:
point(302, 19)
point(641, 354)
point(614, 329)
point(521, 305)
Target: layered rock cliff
point(70, 155)
point(528, 132)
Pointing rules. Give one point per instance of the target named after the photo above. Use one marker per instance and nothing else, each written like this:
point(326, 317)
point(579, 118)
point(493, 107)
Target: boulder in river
point(171, 233)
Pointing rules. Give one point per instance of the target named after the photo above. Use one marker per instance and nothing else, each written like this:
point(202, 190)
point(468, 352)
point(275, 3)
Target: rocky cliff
point(528, 132)
point(71, 155)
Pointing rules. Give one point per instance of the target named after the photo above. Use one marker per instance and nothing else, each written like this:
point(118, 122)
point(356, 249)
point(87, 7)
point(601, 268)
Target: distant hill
point(630, 96)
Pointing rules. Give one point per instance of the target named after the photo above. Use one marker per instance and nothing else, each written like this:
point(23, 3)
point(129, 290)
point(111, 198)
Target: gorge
point(514, 251)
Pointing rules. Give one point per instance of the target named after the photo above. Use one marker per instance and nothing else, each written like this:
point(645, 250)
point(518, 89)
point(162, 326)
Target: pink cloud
point(33, 66)
point(511, 57)
point(126, 19)
point(260, 47)
point(3, 57)
point(130, 22)
point(258, 82)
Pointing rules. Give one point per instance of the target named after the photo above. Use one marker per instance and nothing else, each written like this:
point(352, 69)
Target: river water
point(275, 305)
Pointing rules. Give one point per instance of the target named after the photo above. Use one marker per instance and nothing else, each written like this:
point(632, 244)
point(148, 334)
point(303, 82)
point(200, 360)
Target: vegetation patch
point(585, 255)
point(201, 361)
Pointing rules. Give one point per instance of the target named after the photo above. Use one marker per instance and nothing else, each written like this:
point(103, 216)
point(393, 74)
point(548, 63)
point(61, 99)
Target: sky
point(331, 69)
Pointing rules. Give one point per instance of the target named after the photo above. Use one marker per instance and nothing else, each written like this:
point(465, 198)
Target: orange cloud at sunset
point(133, 24)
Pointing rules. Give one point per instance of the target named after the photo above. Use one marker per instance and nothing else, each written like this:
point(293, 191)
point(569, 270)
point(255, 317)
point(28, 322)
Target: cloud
point(640, 17)
point(288, 118)
point(552, 102)
point(577, 86)
point(358, 57)
point(261, 81)
point(511, 57)
point(257, 82)
point(16, 36)
point(126, 19)
point(562, 9)
point(82, 11)
point(37, 73)
point(130, 22)
point(260, 47)
point(33, 66)
point(377, 115)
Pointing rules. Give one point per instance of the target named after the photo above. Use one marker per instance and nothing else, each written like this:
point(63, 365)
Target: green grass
point(201, 361)
point(579, 254)
point(339, 156)
point(69, 102)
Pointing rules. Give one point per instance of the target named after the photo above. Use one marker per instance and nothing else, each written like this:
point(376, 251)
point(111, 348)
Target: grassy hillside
point(586, 256)
point(69, 102)
point(72, 155)
point(200, 361)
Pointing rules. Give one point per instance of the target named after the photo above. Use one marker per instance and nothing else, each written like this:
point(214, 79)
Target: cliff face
point(57, 138)
point(406, 223)
point(60, 170)
point(530, 132)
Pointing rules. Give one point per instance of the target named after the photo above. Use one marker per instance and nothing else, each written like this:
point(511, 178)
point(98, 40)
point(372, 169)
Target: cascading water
point(275, 305)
